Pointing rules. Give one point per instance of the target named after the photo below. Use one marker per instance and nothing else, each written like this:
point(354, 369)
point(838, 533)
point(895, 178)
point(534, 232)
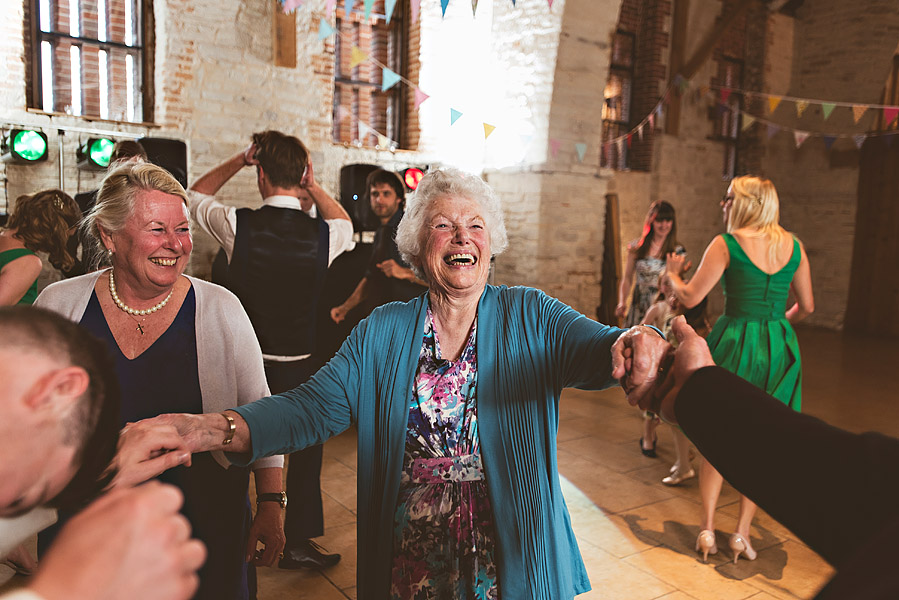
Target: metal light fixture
point(23, 146)
point(95, 154)
point(412, 176)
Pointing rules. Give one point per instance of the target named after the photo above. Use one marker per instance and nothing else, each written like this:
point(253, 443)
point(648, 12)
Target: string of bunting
point(289, 6)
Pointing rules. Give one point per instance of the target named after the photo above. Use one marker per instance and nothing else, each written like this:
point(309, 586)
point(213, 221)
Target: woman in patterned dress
point(645, 264)
point(456, 398)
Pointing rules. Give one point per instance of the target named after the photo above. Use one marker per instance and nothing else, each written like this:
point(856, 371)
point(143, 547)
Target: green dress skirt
point(753, 338)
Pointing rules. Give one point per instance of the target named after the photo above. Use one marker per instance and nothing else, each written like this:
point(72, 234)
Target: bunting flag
point(415, 7)
point(368, 6)
point(347, 7)
point(629, 137)
point(454, 116)
point(748, 121)
point(858, 110)
point(383, 141)
point(513, 2)
point(827, 108)
point(329, 8)
point(443, 5)
point(420, 97)
point(859, 140)
point(388, 9)
point(388, 79)
point(889, 115)
point(773, 101)
point(474, 8)
point(291, 5)
point(363, 130)
point(651, 120)
point(801, 105)
point(829, 140)
point(554, 147)
point(550, 4)
point(581, 149)
point(725, 94)
point(640, 131)
point(488, 129)
point(357, 57)
point(325, 30)
point(800, 137)
point(772, 129)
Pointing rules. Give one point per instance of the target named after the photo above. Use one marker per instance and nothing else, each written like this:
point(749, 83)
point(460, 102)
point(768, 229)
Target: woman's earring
point(109, 253)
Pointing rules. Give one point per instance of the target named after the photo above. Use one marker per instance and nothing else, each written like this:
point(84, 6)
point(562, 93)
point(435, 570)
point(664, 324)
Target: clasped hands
point(651, 371)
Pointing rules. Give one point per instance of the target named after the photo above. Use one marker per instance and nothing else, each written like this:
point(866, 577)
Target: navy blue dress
point(164, 379)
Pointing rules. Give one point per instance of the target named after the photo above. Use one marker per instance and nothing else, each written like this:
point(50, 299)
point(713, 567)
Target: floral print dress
point(443, 535)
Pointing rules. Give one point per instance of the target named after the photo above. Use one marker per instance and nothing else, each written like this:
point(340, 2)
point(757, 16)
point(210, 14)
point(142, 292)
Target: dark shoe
point(651, 452)
point(308, 555)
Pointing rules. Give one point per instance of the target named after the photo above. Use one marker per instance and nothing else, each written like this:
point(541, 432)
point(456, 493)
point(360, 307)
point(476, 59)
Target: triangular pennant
point(630, 136)
point(829, 140)
point(801, 105)
point(488, 129)
point(388, 9)
point(773, 101)
point(800, 137)
point(368, 6)
point(889, 114)
point(513, 2)
point(858, 110)
point(652, 121)
point(325, 30)
point(348, 7)
point(291, 5)
point(859, 139)
point(383, 141)
point(415, 7)
point(554, 146)
point(443, 5)
point(550, 4)
point(474, 8)
point(420, 97)
point(581, 150)
point(363, 130)
point(659, 108)
point(640, 131)
point(748, 120)
point(454, 116)
point(357, 56)
point(725, 94)
point(772, 129)
point(827, 108)
point(388, 79)
point(329, 8)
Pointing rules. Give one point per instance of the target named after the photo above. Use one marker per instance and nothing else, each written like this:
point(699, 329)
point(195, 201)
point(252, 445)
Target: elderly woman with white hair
point(456, 398)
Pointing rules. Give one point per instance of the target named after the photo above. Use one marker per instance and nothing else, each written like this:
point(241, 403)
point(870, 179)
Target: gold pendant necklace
point(133, 312)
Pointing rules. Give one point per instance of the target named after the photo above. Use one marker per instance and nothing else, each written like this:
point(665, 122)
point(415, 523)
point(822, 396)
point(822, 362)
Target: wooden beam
point(284, 37)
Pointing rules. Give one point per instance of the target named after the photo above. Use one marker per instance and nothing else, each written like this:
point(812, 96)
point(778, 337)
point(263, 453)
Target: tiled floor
point(635, 534)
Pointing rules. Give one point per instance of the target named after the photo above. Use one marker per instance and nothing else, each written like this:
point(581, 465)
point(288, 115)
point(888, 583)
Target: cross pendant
point(141, 329)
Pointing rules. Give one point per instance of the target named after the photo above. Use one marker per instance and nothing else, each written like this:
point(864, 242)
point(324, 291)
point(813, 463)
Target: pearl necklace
point(128, 309)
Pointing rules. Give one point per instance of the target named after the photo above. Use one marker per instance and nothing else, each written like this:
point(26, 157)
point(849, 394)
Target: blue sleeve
point(311, 413)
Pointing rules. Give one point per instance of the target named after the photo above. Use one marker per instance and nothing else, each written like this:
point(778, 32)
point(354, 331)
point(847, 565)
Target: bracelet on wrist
point(232, 427)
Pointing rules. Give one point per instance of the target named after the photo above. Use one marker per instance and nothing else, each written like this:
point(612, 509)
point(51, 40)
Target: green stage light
point(95, 154)
point(23, 146)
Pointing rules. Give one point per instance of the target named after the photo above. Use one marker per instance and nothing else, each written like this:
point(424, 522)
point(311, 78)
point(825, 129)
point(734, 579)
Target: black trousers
point(304, 518)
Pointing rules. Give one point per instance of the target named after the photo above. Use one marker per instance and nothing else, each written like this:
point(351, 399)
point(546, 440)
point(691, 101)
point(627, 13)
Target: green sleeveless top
point(6, 257)
point(753, 338)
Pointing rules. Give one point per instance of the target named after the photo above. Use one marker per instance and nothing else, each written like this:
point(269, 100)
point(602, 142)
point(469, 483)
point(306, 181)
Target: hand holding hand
point(267, 528)
point(147, 449)
point(692, 354)
point(131, 543)
point(636, 357)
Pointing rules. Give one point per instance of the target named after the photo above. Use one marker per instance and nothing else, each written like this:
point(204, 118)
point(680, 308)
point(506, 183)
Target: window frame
point(620, 127)
point(143, 49)
point(398, 35)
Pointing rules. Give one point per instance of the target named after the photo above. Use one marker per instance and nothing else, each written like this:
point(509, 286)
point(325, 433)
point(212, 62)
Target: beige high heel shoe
point(739, 545)
point(705, 543)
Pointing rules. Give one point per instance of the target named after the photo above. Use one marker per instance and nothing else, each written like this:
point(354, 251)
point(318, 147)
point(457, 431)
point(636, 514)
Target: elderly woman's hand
point(637, 357)
point(691, 355)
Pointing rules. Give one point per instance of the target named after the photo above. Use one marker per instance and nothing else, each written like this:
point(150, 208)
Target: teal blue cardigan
point(529, 347)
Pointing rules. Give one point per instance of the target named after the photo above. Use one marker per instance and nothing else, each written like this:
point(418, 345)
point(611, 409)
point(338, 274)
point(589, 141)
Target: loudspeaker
point(169, 154)
point(354, 196)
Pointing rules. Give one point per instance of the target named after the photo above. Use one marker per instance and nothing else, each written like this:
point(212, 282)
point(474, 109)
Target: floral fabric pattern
point(444, 540)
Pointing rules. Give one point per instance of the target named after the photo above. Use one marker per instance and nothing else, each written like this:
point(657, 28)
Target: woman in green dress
point(759, 264)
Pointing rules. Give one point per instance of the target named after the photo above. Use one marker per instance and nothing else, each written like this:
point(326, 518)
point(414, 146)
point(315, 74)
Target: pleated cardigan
point(529, 347)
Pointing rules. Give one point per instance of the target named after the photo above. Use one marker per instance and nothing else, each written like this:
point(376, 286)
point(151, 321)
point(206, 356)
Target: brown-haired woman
point(40, 222)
